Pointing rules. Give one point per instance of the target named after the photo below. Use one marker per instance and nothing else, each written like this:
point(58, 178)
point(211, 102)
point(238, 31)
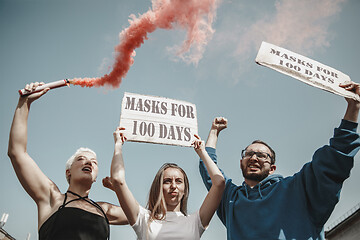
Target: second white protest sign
point(304, 69)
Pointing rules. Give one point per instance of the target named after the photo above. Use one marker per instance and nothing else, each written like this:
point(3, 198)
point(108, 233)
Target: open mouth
point(254, 167)
point(87, 169)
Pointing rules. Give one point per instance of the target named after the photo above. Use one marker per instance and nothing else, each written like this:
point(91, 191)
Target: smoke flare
point(195, 16)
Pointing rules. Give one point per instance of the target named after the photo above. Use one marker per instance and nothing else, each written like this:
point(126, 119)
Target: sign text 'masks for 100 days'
point(304, 69)
point(158, 120)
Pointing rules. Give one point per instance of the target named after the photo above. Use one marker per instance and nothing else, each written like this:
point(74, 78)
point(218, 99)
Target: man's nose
point(254, 157)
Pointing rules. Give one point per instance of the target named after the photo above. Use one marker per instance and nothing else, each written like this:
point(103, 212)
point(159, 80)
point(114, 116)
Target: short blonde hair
point(71, 160)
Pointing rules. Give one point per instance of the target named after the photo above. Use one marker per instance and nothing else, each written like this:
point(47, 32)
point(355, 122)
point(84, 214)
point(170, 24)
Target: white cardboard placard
point(158, 120)
point(304, 69)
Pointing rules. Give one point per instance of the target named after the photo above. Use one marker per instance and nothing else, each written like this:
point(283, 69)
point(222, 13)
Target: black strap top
point(75, 223)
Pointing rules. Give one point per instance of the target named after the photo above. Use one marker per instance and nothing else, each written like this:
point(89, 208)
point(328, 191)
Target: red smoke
point(195, 16)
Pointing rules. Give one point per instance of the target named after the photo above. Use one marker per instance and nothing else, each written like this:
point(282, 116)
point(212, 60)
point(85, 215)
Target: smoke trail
point(298, 25)
point(195, 16)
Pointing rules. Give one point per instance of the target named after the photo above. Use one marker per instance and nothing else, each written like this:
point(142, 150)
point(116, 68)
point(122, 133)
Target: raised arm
point(117, 182)
point(321, 179)
point(213, 198)
point(218, 124)
point(33, 180)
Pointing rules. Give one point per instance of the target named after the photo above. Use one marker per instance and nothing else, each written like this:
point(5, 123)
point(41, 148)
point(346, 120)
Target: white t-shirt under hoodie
point(175, 226)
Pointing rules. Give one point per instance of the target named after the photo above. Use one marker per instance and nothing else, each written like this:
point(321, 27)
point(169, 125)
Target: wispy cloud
point(299, 25)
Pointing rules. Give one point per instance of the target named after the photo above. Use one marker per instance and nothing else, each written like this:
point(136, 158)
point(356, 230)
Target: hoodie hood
point(262, 188)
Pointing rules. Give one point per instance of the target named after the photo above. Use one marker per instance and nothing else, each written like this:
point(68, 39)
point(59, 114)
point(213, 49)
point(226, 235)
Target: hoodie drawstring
point(261, 196)
point(246, 191)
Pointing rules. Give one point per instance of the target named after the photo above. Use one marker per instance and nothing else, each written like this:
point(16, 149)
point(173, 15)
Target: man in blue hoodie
point(269, 206)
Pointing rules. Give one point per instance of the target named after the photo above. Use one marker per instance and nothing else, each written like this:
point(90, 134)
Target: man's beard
point(256, 176)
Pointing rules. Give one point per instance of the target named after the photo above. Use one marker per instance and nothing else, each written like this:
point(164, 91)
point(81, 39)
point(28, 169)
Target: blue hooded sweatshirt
point(295, 207)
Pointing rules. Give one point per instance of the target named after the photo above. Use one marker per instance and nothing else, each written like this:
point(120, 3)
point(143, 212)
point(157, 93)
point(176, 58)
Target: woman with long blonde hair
point(165, 216)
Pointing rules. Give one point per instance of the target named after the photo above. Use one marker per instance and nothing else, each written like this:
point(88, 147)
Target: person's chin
point(256, 176)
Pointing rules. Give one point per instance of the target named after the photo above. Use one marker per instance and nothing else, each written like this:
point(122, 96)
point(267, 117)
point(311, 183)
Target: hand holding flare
point(56, 84)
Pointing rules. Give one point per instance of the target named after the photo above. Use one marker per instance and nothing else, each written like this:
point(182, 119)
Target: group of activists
point(265, 206)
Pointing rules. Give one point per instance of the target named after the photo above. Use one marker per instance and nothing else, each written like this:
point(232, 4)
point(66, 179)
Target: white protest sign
point(304, 69)
point(158, 120)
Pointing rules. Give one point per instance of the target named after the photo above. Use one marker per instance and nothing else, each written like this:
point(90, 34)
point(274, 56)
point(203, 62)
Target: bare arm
point(117, 182)
point(217, 126)
point(114, 213)
point(33, 180)
point(352, 110)
point(213, 198)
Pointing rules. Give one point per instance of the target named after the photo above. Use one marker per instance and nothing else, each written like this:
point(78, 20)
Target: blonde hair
point(71, 160)
point(156, 202)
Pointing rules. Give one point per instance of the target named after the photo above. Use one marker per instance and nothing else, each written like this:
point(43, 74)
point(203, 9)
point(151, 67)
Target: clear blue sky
point(52, 40)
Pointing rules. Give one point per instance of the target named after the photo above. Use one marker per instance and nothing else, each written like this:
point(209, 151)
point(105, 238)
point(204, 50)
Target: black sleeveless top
point(75, 224)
